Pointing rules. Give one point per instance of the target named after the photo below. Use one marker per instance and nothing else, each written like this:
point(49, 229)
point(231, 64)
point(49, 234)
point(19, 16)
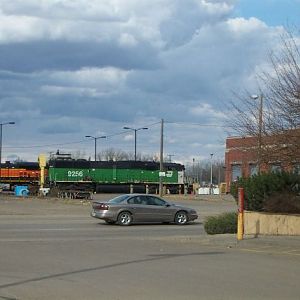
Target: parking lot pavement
point(75, 213)
point(52, 249)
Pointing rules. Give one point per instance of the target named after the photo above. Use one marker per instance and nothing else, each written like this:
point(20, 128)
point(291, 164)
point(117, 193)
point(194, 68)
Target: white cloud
point(86, 82)
point(243, 26)
point(129, 137)
point(207, 111)
point(217, 7)
point(128, 21)
point(107, 78)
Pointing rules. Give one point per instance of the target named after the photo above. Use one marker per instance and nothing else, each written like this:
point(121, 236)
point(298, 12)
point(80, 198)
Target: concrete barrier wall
point(271, 224)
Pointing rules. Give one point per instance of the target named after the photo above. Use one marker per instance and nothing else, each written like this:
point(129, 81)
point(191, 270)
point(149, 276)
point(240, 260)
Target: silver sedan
point(138, 208)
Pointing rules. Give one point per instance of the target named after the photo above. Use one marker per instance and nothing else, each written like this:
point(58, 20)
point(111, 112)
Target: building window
point(296, 169)
point(236, 172)
point(276, 168)
point(253, 168)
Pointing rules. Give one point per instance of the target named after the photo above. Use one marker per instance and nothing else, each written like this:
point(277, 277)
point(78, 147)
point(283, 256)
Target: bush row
point(272, 192)
point(224, 223)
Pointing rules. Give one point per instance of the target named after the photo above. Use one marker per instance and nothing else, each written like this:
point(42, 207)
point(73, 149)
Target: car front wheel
point(181, 218)
point(125, 218)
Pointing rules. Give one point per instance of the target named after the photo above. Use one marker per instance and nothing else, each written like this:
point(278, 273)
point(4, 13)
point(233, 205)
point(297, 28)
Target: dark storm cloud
point(113, 108)
point(60, 126)
point(64, 55)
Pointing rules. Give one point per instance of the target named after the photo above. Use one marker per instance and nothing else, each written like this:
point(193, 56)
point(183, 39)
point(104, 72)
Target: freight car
point(114, 176)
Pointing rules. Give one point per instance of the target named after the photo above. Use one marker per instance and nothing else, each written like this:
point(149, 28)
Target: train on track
point(64, 173)
point(17, 173)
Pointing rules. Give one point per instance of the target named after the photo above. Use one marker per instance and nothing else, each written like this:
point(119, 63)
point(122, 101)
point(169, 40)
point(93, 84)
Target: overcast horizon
point(74, 68)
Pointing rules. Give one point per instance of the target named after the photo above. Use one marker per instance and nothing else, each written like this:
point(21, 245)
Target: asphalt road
point(51, 249)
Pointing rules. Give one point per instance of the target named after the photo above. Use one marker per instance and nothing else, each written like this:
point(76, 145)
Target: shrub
point(272, 192)
point(224, 223)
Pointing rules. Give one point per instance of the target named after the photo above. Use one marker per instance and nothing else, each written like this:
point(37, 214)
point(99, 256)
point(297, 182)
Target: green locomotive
point(114, 176)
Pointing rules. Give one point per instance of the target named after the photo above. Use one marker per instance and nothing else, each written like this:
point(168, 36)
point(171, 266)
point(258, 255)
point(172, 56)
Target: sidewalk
point(262, 244)
point(278, 244)
point(215, 198)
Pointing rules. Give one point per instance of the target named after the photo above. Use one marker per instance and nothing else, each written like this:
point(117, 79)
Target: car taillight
point(101, 206)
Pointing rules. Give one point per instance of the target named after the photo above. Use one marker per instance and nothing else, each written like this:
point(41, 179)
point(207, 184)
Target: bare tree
point(113, 154)
point(276, 123)
point(283, 94)
point(200, 171)
point(283, 85)
point(79, 154)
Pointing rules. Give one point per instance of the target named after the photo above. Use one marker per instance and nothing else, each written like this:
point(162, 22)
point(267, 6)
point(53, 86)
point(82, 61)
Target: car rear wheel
point(125, 218)
point(181, 218)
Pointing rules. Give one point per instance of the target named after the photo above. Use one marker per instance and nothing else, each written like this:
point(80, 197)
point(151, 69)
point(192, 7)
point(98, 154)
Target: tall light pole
point(260, 124)
point(193, 170)
point(1, 125)
point(135, 130)
point(211, 177)
point(95, 139)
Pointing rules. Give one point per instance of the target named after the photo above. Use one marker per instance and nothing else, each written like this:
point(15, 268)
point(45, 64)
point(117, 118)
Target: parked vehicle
point(139, 208)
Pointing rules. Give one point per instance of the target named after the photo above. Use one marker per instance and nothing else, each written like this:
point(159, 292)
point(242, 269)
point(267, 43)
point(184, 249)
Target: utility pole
point(1, 125)
point(260, 124)
point(161, 163)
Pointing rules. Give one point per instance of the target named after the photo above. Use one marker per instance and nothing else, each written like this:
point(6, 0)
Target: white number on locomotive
point(75, 173)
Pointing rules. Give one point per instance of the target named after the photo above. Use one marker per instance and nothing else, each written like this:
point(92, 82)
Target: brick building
point(241, 158)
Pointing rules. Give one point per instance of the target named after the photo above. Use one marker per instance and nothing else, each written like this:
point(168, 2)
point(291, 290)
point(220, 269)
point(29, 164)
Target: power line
point(71, 143)
point(46, 145)
point(113, 135)
point(198, 124)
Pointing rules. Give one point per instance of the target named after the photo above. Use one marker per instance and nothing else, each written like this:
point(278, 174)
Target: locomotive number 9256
point(75, 173)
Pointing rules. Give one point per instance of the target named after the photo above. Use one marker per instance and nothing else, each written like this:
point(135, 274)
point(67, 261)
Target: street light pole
point(193, 170)
point(95, 140)
point(211, 177)
point(1, 125)
point(170, 157)
point(135, 130)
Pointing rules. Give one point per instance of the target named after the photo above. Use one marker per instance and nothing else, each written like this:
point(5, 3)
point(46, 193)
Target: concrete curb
point(230, 241)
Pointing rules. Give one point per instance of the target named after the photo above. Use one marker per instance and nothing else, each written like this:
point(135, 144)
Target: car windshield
point(118, 199)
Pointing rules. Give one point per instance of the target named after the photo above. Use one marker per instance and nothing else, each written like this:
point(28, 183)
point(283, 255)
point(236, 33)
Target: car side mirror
point(167, 205)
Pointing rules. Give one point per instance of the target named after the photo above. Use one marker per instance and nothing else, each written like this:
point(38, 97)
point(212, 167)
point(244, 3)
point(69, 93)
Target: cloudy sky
point(71, 68)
